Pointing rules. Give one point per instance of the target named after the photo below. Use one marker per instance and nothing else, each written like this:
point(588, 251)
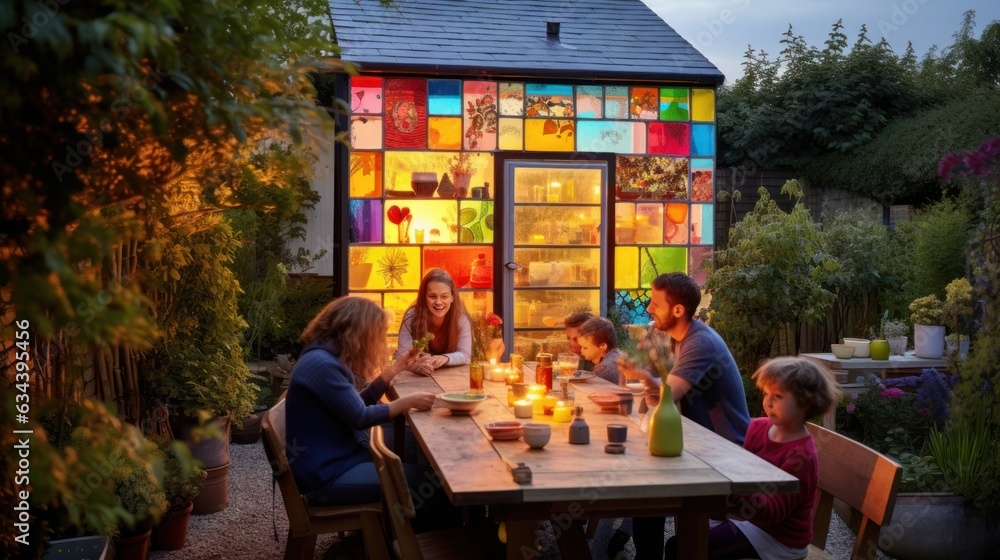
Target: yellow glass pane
point(557, 185)
point(396, 304)
point(512, 134)
point(541, 308)
point(400, 167)
point(478, 302)
point(444, 133)
point(558, 225)
point(549, 135)
point(366, 174)
point(381, 267)
point(366, 133)
point(422, 218)
point(560, 267)
point(626, 268)
point(702, 105)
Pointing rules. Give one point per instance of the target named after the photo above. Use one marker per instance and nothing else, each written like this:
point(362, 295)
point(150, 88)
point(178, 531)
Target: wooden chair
point(304, 522)
point(861, 477)
point(446, 543)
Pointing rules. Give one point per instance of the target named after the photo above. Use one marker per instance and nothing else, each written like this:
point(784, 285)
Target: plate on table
point(581, 375)
point(503, 430)
point(637, 388)
point(609, 400)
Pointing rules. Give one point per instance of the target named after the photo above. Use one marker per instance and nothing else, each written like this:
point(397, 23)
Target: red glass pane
point(405, 113)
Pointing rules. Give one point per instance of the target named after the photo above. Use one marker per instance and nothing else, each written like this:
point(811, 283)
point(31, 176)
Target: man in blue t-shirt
point(705, 381)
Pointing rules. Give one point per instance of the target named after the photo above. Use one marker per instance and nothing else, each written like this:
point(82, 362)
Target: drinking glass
point(569, 362)
point(476, 377)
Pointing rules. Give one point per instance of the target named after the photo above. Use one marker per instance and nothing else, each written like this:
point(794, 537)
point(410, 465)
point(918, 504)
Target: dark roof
point(598, 39)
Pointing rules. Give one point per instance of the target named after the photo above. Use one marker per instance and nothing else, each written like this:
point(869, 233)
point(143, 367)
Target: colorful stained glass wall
point(422, 161)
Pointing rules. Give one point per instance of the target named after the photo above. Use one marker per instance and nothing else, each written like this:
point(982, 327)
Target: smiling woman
point(438, 311)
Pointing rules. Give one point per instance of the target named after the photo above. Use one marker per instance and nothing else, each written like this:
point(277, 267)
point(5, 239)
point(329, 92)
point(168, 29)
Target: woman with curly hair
point(438, 311)
point(327, 418)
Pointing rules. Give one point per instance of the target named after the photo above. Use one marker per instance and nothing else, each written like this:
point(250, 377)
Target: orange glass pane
point(549, 135)
point(366, 174)
point(444, 133)
point(649, 224)
point(644, 103)
point(676, 225)
point(456, 261)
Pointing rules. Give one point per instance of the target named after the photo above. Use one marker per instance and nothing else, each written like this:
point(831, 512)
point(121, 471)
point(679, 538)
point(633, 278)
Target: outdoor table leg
point(572, 541)
point(692, 535)
point(521, 540)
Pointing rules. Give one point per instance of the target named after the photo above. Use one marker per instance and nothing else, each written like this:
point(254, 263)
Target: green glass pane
point(476, 221)
point(658, 260)
point(674, 104)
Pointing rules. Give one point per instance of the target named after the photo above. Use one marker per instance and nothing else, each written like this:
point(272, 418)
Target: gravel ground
point(244, 530)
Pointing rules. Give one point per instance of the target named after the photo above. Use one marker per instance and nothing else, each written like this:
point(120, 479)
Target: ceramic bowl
point(536, 435)
point(842, 351)
point(860, 345)
point(507, 429)
point(461, 403)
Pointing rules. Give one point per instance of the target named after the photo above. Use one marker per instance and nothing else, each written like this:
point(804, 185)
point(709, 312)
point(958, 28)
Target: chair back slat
point(396, 494)
point(273, 426)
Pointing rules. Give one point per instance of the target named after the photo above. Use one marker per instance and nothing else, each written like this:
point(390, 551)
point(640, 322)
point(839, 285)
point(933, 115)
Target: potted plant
point(928, 334)
point(896, 332)
point(461, 173)
point(957, 312)
point(183, 480)
point(879, 347)
point(249, 432)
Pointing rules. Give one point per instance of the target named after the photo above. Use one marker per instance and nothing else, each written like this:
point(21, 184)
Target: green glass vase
point(880, 349)
point(665, 436)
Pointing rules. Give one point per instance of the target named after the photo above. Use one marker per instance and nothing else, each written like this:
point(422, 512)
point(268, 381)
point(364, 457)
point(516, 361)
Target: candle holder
point(523, 409)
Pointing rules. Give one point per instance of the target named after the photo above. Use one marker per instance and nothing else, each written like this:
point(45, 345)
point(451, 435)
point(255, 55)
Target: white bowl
point(842, 351)
point(461, 403)
point(536, 435)
point(861, 346)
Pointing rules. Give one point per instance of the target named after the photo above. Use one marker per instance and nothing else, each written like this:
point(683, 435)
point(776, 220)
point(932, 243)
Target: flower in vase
point(485, 328)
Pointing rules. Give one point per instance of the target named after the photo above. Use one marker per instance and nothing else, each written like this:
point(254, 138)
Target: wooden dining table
point(572, 483)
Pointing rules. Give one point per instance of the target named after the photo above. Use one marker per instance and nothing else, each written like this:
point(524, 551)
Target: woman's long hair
point(421, 314)
point(356, 328)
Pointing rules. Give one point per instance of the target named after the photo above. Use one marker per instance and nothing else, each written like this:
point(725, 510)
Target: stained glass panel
point(512, 134)
point(444, 133)
point(702, 224)
point(396, 304)
point(676, 230)
point(477, 302)
point(366, 133)
point(366, 174)
point(366, 94)
point(617, 137)
point(632, 304)
point(649, 224)
point(420, 219)
point(702, 104)
point(660, 178)
point(511, 99)
point(406, 113)
point(546, 100)
point(644, 103)
point(669, 138)
point(703, 139)
point(624, 223)
point(391, 267)
point(589, 102)
point(549, 135)
point(658, 260)
point(400, 167)
point(480, 119)
point(702, 184)
point(476, 221)
point(699, 257)
point(674, 104)
point(626, 268)
point(457, 261)
point(366, 221)
point(444, 97)
point(616, 102)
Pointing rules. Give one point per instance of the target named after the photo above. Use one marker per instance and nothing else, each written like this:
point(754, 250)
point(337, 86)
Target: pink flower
point(893, 393)
point(851, 408)
point(493, 320)
point(854, 396)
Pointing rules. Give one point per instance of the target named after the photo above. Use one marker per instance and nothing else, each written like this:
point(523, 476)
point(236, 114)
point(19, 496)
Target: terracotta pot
point(214, 496)
point(250, 432)
point(214, 451)
point(171, 533)
point(93, 547)
point(134, 547)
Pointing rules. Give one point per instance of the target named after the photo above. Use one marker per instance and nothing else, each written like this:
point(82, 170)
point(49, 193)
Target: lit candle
point(538, 390)
point(522, 409)
point(511, 377)
point(493, 361)
point(511, 399)
point(536, 403)
point(548, 404)
point(418, 235)
point(496, 374)
point(561, 412)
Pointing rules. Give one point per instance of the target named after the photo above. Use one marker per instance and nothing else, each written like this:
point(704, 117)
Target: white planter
point(928, 341)
point(862, 347)
point(897, 345)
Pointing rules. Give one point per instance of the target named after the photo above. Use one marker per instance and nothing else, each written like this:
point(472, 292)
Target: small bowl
point(861, 346)
point(536, 435)
point(504, 430)
point(461, 403)
point(842, 351)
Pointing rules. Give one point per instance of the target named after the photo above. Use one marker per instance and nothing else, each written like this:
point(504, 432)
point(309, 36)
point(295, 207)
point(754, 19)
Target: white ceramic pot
point(928, 341)
point(897, 345)
point(861, 346)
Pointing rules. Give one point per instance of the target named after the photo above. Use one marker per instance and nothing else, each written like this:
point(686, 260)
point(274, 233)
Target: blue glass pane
point(589, 102)
point(703, 139)
point(549, 89)
point(604, 136)
point(616, 102)
point(366, 221)
point(444, 97)
point(632, 304)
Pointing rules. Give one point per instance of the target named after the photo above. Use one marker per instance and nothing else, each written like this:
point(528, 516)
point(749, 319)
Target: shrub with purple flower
point(933, 392)
point(869, 415)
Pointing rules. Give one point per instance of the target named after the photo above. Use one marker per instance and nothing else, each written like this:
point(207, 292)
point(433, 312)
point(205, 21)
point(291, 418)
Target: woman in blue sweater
point(328, 419)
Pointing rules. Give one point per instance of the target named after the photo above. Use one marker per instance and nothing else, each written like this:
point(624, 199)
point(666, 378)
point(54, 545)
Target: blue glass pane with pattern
point(444, 97)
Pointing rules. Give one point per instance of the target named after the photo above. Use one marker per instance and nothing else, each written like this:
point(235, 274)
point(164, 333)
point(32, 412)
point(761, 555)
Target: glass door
point(553, 252)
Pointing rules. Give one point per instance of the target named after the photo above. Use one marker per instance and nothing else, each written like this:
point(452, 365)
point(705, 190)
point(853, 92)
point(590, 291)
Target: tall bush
point(938, 238)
